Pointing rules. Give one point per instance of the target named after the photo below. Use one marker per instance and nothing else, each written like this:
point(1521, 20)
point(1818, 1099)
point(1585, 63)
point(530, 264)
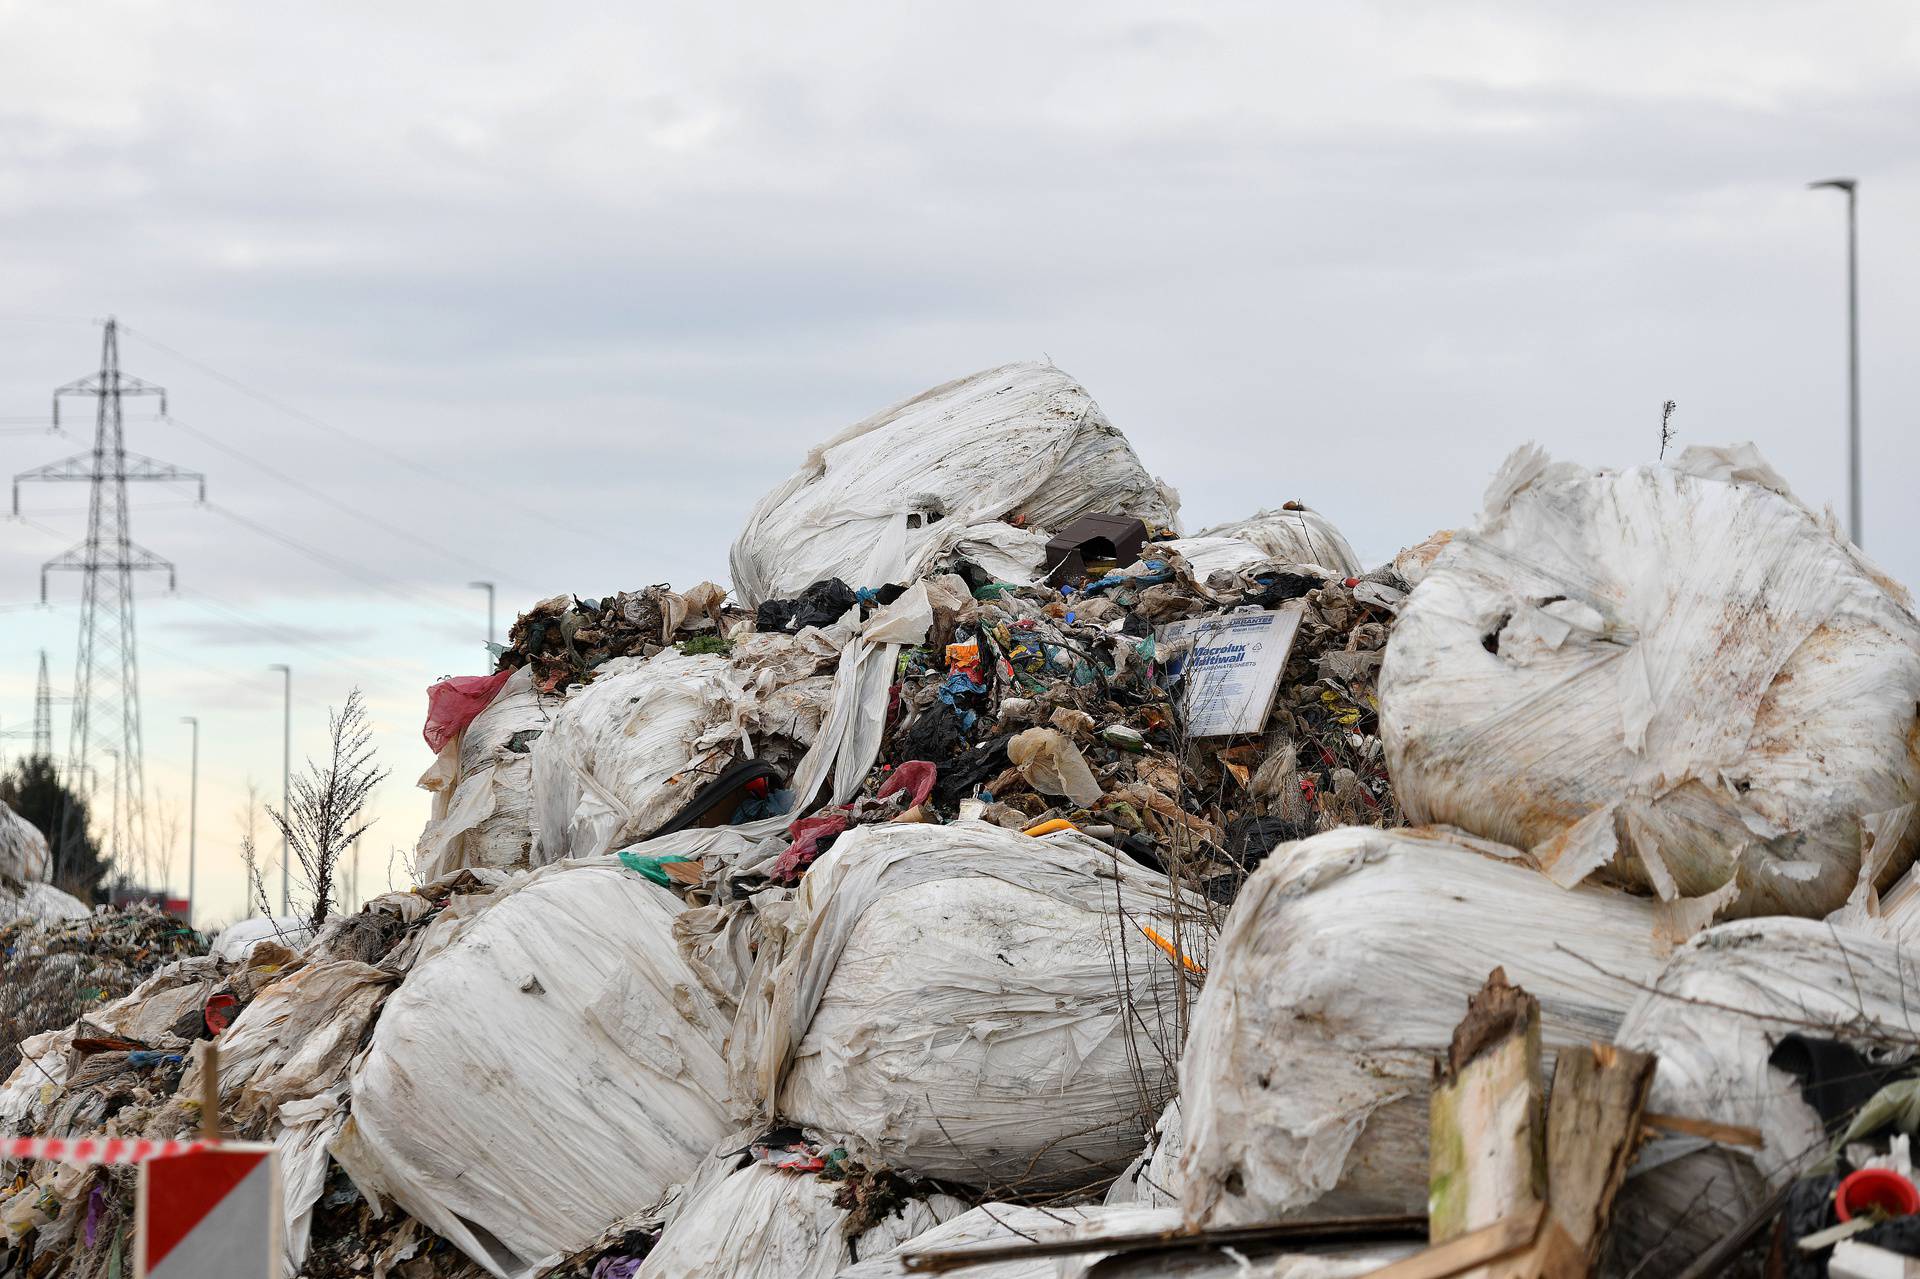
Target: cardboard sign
point(212, 1214)
point(1232, 668)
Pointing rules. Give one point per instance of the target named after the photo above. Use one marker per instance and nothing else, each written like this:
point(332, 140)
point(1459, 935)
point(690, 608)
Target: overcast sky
point(551, 297)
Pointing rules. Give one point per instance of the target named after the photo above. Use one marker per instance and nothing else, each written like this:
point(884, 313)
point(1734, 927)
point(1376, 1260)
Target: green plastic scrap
point(650, 866)
point(994, 590)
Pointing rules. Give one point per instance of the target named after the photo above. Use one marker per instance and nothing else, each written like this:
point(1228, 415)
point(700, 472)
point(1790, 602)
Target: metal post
point(1853, 353)
point(286, 790)
point(488, 588)
point(193, 814)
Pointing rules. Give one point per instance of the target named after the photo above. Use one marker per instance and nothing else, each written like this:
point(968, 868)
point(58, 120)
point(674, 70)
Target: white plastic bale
point(1345, 965)
point(1675, 675)
point(1712, 1019)
point(482, 786)
point(943, 470)
point(760, 1222)
point(626, 753)
point(968, 1003)
point(553, 1067)
point(1293, 536)
point(24, 855)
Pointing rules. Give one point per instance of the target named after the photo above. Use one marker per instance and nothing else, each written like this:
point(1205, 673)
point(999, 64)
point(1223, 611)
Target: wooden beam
point(1594, 1127)
point(1470, 1251)
point(1486, 1140)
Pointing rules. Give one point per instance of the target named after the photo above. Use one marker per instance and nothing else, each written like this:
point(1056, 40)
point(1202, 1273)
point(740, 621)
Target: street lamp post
point(1853, 352)
point(286, 773)
point(193, 813)
point(488, 588)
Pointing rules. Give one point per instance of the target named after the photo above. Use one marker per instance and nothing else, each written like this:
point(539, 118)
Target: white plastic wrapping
point(1344, 966)
point(236, 941)
point(40, 901)
point(284, 1061)
point(1293, 536)
point(883, 499)
point(967, 1003)
point(989, 1224)
point(1152, 1180)
point(482, 786)
point(554, 1066)
point(1712, 1019)
point(1677, 674)
point(1242, 1262)
point(626, 753)
point(24, 855)
point(760, 1222)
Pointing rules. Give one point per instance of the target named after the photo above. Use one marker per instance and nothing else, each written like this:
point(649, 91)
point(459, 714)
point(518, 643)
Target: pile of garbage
point(53, 971)
point(1003, 880)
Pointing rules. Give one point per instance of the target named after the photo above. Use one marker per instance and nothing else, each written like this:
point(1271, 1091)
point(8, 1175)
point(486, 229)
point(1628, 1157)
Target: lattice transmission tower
point(106, 682)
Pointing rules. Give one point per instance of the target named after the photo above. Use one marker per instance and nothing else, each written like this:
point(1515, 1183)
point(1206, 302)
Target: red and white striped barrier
point(97, 1150)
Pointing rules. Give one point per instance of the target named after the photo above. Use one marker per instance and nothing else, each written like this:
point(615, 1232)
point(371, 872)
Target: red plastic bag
point(452, 704)
point(915, 777)
point(809, 834)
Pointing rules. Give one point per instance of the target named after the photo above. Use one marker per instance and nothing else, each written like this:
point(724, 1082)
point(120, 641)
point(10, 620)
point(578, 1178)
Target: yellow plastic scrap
point(1172, 952)
point(1049, 827)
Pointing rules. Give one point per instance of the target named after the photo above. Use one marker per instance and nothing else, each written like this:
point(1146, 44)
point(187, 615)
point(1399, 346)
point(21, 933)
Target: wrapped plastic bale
point(978, 465)
point(1344, 966)
point(553, 1066)
point(969, 1003)
point(627, 752)
point(1293, 534)
point(1676, 676)
point(763, 1222)
point(482, 786)
point(24, 855)
point(1714, 1018)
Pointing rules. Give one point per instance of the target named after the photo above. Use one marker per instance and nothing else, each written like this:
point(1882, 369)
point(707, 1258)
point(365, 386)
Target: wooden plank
point(1594, 1126)
point(1718, 1133)
point(1475, 1249)
point(1486, 1139)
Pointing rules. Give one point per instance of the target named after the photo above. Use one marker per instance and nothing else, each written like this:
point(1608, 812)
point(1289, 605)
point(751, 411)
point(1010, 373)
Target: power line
point(345, 568)
point(437, 474)
point(322, 496)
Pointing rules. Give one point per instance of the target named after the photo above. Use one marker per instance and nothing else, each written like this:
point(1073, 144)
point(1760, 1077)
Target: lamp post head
point(1838, 184)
